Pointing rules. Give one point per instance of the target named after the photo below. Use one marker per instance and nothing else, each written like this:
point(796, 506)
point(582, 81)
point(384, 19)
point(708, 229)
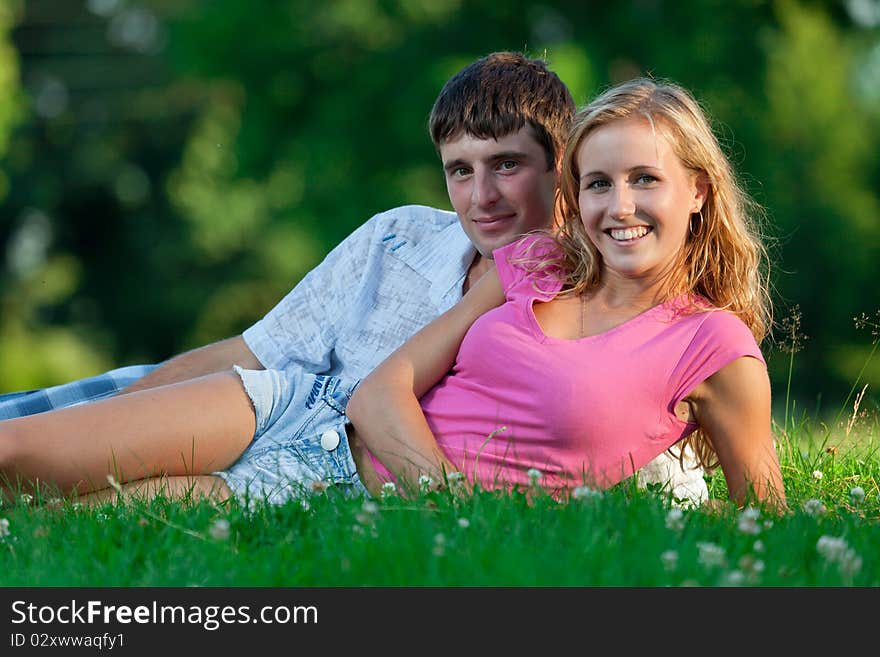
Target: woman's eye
point(645, 179)
point(597, 184)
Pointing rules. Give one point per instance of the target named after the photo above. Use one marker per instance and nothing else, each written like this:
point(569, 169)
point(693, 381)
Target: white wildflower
point(4, 528)
point(585, 492)
point(219, 530)
point(389, 488)
point(675, 519)
point(857, 494)
point(710, 554)
point(748, 521)
point(464, 523)
point(758, 546)
point(836, 550)
point(370, 507)
point(426, 483)
point(850, 564)
point(669, 559)
point(26, 499)
point(439, 548)
point(534, 475)
point(814, 507)
point(831, 547)
point(734, 578)
point(817, 474)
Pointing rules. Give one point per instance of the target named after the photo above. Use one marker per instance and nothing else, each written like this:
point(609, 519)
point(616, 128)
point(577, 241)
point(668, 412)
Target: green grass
point(621, 537)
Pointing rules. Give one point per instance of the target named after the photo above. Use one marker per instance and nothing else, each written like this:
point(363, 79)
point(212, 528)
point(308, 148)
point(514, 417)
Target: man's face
point(500, 188)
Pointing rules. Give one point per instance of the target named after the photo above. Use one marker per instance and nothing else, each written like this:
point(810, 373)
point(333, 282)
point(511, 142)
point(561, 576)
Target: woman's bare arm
point(733, 407)
point(385, 410)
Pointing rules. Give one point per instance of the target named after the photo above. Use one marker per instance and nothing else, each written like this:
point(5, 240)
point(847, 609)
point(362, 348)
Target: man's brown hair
point(499, 94)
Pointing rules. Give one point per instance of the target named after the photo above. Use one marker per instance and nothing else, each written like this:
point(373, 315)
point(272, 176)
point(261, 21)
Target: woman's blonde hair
point(724, 259)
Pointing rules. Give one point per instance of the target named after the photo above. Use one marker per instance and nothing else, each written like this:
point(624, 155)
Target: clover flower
point(857, 494)
point(456, 482)
point(534, 476)
point(4, 528)
point(585, 492)
point(748, 521)
point(389, 488)
point(817, 474)
point(219, 530)
point(439, 548)
point(710, 554)
point(669, 559)
point(831, 547)
point(426, 483)
point(464, 523)
point(814, 507)
point(835, 550)
point(368, 510)
point(734, 578)
point(675, 519)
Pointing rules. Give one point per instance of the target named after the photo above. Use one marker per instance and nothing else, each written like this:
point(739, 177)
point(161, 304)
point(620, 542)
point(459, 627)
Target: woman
point(634, 329)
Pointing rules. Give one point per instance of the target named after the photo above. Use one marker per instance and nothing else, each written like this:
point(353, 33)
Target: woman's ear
point(701, 190)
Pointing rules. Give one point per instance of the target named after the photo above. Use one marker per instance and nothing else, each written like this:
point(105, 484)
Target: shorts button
point(329, 440)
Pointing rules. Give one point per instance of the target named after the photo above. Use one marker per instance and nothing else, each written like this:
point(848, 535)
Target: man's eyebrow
point(452, 165)
point(494, 157)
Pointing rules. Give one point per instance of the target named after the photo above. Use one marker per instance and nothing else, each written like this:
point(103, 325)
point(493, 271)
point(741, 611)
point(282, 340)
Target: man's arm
point(216, 357)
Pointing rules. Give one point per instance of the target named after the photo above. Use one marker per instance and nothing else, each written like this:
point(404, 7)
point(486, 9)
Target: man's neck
point(479, 266)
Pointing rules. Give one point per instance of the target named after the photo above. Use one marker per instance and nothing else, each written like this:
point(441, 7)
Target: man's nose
point(485, 191)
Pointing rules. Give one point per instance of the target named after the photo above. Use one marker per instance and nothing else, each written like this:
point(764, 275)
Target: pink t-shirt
point(587, 411)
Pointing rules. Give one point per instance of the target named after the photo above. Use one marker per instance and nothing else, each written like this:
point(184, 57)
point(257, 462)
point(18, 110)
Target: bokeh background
point(170, 168)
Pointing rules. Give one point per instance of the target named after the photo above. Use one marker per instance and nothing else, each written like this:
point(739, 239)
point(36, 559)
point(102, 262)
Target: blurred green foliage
point(170, 168)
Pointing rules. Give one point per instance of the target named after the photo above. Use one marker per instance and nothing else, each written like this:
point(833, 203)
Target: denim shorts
point(300, 445)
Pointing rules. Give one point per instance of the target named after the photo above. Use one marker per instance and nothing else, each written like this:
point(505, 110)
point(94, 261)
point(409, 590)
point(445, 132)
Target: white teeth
point(624, 234)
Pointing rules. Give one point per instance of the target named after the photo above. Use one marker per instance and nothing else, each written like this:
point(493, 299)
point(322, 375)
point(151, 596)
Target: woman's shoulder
point(536, 258)
point(714, 327)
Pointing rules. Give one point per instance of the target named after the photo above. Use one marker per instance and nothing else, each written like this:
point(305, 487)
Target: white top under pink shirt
point(588, 411)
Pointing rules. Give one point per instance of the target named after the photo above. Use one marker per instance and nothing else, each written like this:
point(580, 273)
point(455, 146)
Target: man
point(499, 126)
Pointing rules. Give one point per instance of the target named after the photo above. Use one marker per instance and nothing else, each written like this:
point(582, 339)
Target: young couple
point(583, 354)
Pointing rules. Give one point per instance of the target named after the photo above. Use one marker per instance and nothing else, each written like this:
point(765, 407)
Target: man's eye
point(508, 165)
point(460, 172)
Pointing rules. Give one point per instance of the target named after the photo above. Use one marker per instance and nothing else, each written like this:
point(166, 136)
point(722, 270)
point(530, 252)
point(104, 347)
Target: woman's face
point(635, 198)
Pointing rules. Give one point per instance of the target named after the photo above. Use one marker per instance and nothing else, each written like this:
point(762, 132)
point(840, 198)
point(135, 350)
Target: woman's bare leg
point(191, 428)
